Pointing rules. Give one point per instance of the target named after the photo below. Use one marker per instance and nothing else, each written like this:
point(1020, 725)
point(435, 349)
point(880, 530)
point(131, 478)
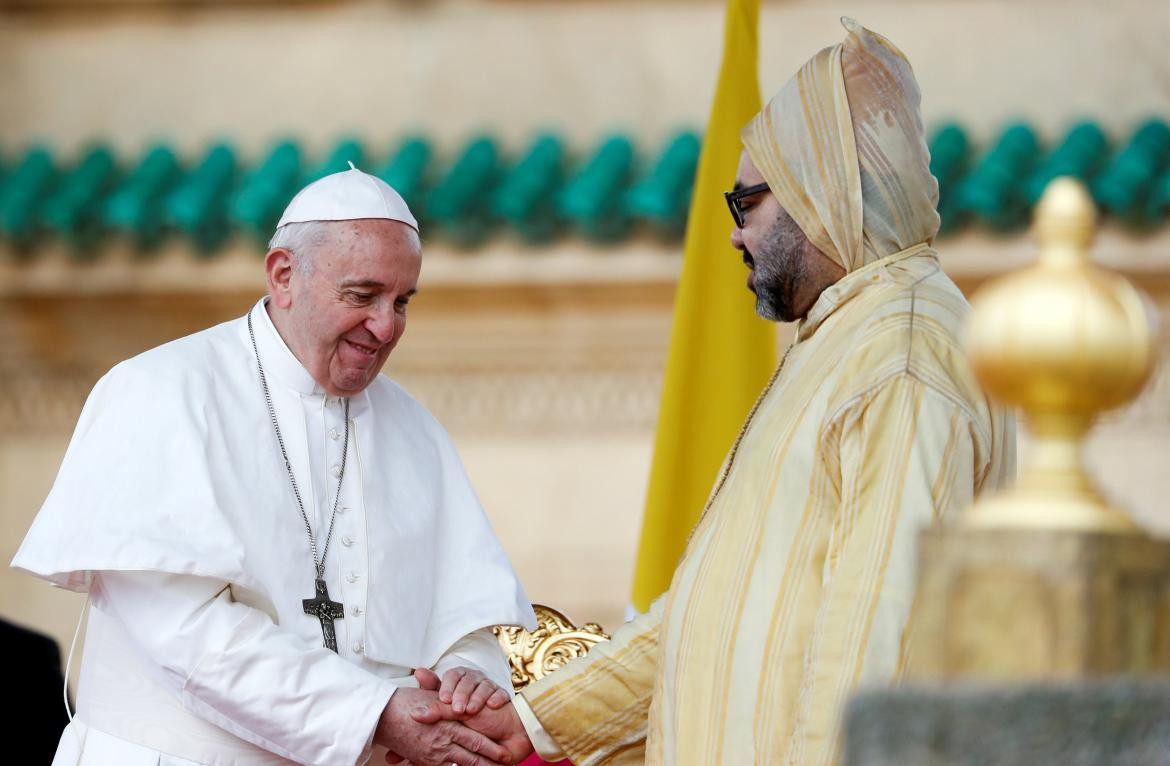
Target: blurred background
point(147, 148)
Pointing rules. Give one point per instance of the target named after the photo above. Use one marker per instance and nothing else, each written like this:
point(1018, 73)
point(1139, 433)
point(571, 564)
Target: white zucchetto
point(347, 196)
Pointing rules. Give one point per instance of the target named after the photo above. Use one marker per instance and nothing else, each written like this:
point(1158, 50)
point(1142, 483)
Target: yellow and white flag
point(721, 353)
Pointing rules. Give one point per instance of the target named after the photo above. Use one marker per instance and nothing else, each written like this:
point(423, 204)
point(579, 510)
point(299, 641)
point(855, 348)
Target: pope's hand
point(501, 724)
point(464, 689)
point(433, 743)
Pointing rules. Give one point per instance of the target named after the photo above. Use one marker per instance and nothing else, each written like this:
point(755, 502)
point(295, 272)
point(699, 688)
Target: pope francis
point(272, 535)
point(797, 584)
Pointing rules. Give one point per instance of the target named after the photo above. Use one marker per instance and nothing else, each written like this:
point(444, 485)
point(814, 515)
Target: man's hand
point(501, 725)
point(464, 689)
point(438, 742)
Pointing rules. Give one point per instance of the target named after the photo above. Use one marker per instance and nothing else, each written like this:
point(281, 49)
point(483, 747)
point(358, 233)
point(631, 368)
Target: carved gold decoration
point(1063, 340)
point(556, 640)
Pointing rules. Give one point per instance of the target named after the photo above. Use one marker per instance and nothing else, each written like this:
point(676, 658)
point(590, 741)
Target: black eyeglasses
point(733, 198)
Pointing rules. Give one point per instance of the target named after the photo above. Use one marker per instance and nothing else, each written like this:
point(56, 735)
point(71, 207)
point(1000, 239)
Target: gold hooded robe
point(797, 584)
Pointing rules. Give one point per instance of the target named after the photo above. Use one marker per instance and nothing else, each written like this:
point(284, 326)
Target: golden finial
point(1063, 340)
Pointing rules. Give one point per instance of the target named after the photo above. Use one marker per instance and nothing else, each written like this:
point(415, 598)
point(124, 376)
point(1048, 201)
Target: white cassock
point(173, 509)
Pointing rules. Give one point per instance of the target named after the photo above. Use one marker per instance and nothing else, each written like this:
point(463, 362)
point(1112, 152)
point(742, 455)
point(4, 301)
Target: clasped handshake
point(462, 718)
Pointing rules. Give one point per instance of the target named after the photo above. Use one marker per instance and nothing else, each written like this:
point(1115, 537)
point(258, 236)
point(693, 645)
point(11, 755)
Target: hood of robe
point(843, 149)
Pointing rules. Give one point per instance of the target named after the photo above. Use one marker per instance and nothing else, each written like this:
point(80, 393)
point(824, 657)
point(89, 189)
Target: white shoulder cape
point(172, 468)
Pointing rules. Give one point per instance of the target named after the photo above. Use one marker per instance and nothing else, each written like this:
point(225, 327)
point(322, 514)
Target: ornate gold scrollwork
point(556, 640)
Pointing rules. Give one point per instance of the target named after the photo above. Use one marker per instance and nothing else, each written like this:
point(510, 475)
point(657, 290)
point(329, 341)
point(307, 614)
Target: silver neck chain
point(318, 564)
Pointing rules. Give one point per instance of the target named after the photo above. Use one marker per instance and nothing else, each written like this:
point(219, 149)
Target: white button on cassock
point(358, 647)
point(347, 541)
point(358, 611)
point(352, 577)
point(334, 434)
point(337, 472)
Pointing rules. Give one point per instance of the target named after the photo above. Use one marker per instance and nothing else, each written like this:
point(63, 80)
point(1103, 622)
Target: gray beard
point(780, 269)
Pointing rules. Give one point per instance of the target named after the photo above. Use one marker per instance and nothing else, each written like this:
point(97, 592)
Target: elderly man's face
point(343, 314)
point(787, 272)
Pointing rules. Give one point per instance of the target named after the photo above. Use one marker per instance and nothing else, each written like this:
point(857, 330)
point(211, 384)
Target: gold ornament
point(555, 641)
point(1063, 340)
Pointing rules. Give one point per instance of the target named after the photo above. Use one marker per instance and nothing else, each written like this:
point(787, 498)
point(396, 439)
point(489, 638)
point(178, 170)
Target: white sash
point(126, 718)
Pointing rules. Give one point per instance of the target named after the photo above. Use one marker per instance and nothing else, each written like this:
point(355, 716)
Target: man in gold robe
point(797, 584)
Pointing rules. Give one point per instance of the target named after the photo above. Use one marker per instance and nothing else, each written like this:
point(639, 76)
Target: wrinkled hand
point(439, 741)
point(464, 689)
point(502, 725)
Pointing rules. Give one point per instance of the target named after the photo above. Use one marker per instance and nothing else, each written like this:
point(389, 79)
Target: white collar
point(280, 364)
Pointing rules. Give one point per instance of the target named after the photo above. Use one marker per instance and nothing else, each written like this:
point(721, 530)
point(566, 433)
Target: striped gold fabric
point(843, 149)
point(797, 584)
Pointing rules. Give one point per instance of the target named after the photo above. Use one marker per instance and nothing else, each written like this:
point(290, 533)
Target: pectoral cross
point(326, 611)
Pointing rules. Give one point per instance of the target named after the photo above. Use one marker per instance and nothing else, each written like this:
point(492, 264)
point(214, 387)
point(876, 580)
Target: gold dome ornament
point(1063, 340)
